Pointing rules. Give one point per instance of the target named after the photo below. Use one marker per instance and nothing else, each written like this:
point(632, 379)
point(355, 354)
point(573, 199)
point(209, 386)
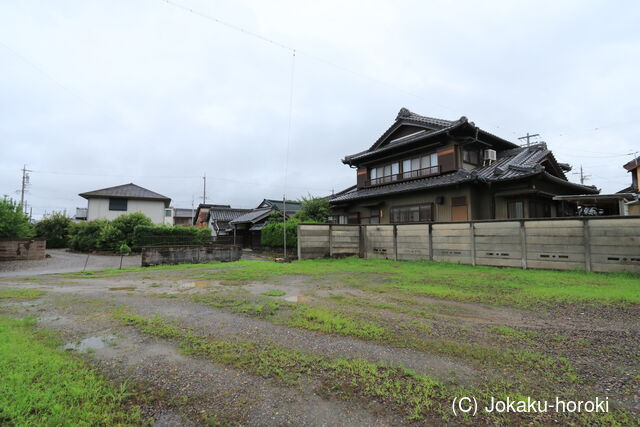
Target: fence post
point(299, 245)
point(430, 242)
point(363, 231)
point(330, 241)
point(395, 242)
point(523, 244)
point(472, 230)
point(587, 244)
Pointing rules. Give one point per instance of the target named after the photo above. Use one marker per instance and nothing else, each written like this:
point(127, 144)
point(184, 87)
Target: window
point(386, 173)
point(342, 219)
point(420, 166)
point(415, 213)
point(374, 216)
point(353, 218)
point(117, 204)
point(515, 209)
point(471, 156)
point(167, 212)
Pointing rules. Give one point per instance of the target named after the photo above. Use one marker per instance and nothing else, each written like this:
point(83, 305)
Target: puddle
point(123, 288)
point(196, 284)
point(91, 343)
point(296, 298)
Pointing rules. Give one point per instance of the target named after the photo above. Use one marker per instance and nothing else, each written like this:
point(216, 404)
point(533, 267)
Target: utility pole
point(284, 224)
point(583, 177)
point(204, 189)
point(25, 183)
point(528, 138)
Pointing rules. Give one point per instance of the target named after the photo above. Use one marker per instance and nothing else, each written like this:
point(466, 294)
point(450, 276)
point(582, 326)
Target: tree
point(55, 228)
point(13, 221)
point(314, 209)
point(126, 224)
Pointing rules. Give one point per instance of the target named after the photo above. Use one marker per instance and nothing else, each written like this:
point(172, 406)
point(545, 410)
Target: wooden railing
point(404, 176)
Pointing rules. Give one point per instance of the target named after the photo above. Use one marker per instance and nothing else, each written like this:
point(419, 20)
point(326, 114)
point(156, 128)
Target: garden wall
point(604, 244)
point(22, 249)
point(159, 255)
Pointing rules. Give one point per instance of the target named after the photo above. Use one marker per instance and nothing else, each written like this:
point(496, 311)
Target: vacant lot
point(344, 342)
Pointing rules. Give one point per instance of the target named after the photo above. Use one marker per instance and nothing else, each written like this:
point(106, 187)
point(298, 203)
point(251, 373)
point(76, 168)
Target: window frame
point(114, 206)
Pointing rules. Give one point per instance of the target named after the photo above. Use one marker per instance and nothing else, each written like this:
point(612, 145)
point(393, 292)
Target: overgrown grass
point(42, 385)
point(326, 320)
point(275, 293)
point(20, 294)
point(441, 280)
point(416, 396)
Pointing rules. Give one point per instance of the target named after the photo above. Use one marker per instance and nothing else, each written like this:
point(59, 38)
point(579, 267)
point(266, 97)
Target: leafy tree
point(85, 236)
point(314, 209)
point(13, 221)
point(127, 224)
point(55, 228)
point(272, 234)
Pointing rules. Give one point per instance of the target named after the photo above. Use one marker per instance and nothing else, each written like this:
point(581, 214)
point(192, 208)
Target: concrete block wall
point(159, 255)
point(22, 249)
point(602, 244)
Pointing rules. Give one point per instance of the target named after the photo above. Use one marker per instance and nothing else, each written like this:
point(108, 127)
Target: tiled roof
point(516, 163)
point(252, 216)
point(226, 214)
point(130, 191)
point(632, 164)
point(278, 204)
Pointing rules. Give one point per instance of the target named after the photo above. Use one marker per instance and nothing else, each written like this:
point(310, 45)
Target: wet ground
point(187, 390)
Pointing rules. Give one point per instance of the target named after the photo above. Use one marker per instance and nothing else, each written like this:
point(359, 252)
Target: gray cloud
point(104, 93)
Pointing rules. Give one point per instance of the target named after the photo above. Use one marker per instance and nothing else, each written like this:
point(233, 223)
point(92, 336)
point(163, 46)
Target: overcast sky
point(95, 94)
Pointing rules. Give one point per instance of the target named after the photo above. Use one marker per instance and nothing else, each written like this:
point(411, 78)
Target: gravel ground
point(61, 261)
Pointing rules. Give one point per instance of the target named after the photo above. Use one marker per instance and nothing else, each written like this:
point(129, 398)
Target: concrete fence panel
point(593, 244)
point(412, 242)
point(380, 241)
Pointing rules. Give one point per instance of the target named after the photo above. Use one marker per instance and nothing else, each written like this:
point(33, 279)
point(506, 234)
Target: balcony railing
point(404, 176)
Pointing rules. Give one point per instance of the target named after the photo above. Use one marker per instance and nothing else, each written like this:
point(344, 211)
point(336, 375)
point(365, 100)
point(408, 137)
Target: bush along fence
point(605, 244)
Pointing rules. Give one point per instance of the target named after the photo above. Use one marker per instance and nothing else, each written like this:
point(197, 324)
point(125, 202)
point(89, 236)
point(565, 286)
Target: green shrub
point(272, 234)
point(124, 249)
point(163, 235)
point(85, 236)
point(314, 209)
point(55, 228)
point(13, 221)
point(127, 224)
point(110, 238)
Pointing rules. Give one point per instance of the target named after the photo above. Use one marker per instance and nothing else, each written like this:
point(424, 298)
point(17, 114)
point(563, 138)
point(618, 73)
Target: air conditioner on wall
point(489, 155)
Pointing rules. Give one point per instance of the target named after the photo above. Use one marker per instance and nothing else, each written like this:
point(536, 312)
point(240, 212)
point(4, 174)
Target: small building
point(424, 169)
point(109, 203)
point(217, 218)
point(247, 228)
point(81, 215)
point(178, 216)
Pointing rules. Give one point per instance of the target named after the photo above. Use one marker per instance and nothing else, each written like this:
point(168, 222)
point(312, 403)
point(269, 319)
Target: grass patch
point(42, 385)
point(325, 320)
point(505, 331)
point(20, 294)
point(261, 307)
point(275, 293)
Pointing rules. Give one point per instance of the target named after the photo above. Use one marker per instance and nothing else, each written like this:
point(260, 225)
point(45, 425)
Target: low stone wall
point(22, 249)
point(159, 255)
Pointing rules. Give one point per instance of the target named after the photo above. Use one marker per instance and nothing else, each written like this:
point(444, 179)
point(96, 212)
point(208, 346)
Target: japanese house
point(247, 228)
point(110, 203)
point(426, 169)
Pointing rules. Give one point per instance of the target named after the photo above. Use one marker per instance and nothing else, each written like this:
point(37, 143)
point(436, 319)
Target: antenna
point(528, 138)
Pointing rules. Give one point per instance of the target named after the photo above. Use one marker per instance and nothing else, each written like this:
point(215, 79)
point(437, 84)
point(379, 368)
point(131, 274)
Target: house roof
point(632, 164)
point(292, 206)
point(129, 191)
point(226, 214)
point(252, 216)
point(431, 127)
point(517, 163)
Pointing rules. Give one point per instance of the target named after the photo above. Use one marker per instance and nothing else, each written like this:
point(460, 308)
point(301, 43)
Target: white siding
point(99, 208)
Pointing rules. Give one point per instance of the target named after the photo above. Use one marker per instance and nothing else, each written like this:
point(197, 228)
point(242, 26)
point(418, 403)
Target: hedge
point(163, 235)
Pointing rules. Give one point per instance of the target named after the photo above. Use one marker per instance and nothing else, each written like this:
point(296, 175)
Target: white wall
point(99, 208)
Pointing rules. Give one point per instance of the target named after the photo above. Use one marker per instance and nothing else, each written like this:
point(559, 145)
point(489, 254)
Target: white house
point(110, 203)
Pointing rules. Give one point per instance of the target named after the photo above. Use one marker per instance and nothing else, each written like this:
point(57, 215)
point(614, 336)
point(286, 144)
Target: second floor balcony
point(404, 176)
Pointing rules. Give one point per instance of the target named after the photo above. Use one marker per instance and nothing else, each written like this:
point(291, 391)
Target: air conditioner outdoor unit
point(489, 155)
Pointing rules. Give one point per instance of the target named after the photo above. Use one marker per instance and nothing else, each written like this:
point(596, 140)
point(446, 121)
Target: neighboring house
point(278, 205)
point(110, 203)
point(81, 215)
point(624, 202)
point(425, 169)
point(217, 218)
point(178, 216)
point(247, 228)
